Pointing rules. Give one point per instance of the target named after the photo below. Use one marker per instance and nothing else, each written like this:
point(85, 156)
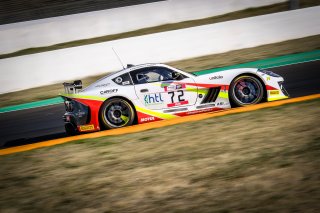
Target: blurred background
point(261, 161)
point(47, 42)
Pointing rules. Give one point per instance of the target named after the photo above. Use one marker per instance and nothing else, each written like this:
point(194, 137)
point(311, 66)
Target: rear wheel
point(246, 90)
point(70, 129)
point(116, 113)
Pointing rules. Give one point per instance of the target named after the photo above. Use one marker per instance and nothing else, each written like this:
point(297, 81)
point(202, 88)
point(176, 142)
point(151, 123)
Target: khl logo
point(153, 99)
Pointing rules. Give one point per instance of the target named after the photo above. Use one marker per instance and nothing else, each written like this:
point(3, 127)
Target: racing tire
point(116, 113)
point(70, 129)
point(246, 90)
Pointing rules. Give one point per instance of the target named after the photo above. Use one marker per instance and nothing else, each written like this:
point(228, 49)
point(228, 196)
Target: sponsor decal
point(197, 111)
point(152, 99)
point(268, 78)
point(147, 119)
point(103, 85)
point(109, 91)
point(215, 77)
point(172, 87)
point(126, 83)
point(84, 128)
point(200, 111)
point(178, 103)
point(274, 92)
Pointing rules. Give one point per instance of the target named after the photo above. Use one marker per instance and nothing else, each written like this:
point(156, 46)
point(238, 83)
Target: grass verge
point(194, 64)
point(167, 27)
point(262, 161)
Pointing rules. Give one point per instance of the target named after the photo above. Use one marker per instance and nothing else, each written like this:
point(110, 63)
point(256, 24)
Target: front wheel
point(116, 113)
point(246, 90)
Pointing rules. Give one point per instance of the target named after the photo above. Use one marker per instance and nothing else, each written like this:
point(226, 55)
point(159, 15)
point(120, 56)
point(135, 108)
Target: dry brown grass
point(262, 161)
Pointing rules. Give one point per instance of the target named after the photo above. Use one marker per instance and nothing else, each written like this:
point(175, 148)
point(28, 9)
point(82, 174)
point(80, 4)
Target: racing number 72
point(180, 96)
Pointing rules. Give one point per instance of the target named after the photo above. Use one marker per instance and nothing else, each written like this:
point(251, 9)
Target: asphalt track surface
point(45, 123)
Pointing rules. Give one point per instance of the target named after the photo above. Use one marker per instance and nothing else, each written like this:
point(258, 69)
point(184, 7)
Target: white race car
point(153, 92)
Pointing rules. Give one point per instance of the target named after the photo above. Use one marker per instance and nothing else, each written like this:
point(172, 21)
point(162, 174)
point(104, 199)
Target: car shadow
point(25, 141)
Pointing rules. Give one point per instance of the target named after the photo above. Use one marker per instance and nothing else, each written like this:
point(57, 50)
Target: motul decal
point(274, 92)
point(85, 128)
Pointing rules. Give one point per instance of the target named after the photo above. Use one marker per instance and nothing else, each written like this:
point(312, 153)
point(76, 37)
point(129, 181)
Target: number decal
point(180, 96)
point(172, 95)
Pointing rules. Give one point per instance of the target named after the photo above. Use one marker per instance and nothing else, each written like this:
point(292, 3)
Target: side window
point(154, 74)
point(123, 80)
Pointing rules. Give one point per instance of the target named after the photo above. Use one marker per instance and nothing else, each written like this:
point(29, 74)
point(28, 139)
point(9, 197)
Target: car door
point(162, 88)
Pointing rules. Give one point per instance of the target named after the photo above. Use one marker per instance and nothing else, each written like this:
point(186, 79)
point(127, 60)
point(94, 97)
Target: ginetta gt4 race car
point(153, 92)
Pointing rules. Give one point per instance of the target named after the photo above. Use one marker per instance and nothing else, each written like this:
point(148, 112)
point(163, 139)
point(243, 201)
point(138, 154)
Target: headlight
point(267, 72)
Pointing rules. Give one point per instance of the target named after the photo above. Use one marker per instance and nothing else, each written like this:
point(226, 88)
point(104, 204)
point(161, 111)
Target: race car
point(152, 92)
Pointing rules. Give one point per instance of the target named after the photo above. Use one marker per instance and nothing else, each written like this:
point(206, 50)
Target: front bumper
point(278, 92)
point(274, 85)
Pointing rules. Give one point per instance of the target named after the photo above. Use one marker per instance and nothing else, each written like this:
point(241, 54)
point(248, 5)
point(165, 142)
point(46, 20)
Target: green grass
point(261, 161)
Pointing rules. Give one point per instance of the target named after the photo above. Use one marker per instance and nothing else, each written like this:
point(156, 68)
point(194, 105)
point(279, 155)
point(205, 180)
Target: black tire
point(246, 90)
point(70, 129)
point(115, 113)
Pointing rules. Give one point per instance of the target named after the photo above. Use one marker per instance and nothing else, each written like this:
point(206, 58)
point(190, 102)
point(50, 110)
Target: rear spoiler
point(72, 88)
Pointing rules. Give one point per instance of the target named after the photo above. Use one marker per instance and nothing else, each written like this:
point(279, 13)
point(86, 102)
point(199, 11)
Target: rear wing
point(72, 88)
